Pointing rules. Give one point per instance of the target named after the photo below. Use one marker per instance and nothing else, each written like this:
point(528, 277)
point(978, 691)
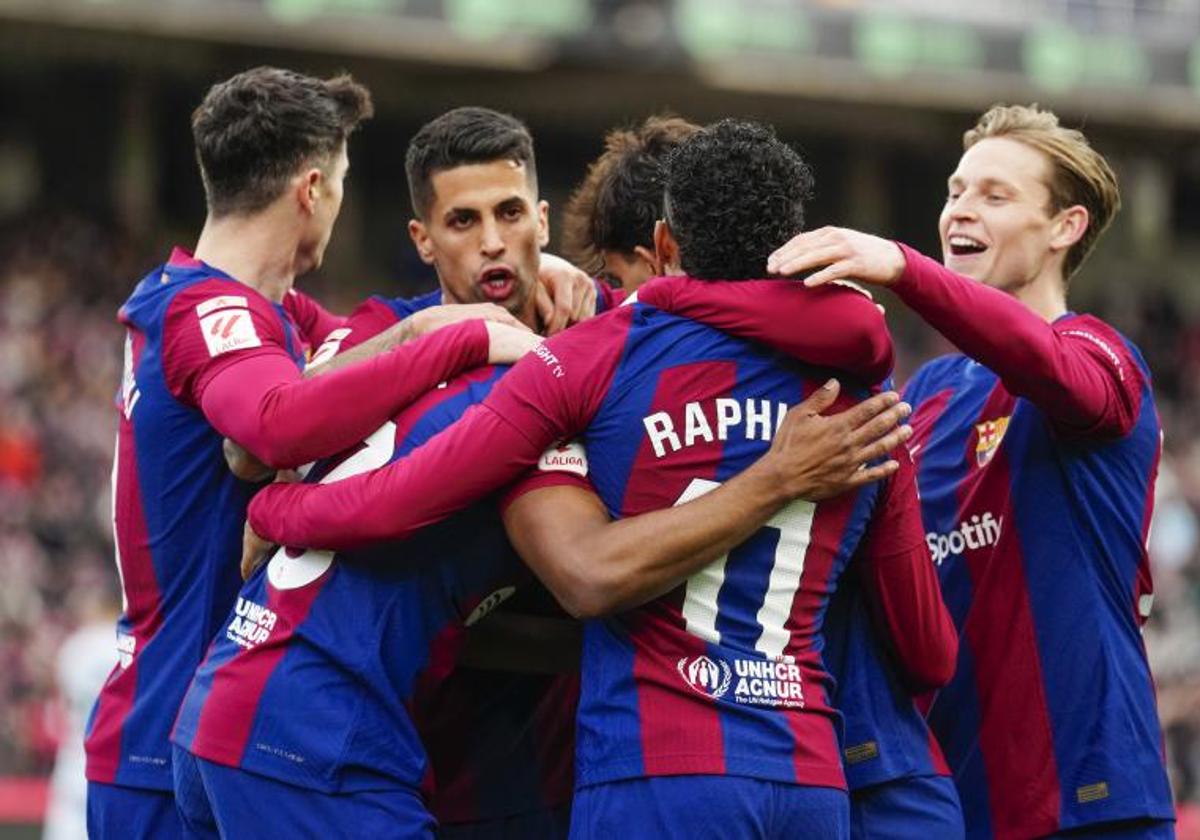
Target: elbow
point(936, 667)
point(585, 592)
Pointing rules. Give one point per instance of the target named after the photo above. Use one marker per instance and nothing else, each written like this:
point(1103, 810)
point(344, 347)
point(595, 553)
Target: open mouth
point(497, 283)
point(962, 245)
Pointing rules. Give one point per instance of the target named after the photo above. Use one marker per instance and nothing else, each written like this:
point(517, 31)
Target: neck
point(1047, 295)
point(252, 250)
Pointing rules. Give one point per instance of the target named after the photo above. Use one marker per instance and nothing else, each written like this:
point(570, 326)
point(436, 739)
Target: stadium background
point(97, 180)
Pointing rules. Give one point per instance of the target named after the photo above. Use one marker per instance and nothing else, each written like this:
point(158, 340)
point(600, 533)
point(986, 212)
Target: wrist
point(765, 484)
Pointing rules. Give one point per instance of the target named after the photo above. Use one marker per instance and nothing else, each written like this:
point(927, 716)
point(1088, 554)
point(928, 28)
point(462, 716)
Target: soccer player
point(708, 705)
point(210, 352)
point(899, 782)
point(1037, 451)
point(608, 224)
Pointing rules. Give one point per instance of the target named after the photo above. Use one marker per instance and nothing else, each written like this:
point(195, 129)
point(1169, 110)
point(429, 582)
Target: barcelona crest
point(988, 436)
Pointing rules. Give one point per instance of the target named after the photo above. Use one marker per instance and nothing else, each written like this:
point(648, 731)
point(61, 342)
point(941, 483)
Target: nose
point(961, 208)
point(491, 244)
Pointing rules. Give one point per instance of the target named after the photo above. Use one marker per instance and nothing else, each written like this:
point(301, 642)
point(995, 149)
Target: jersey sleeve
point(208, 328)
point(285, 420)
point(901, 585)
point(1077, 370)
point(549, 395)
point(369, 319)
point(561, 465)
point(314, 321)
point(835, 326)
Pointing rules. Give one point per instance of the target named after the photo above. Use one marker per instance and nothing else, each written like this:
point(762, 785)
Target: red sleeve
point(314, 321)
point(902, 586)
point(285, 420)
point(1077, 370)
point(212, 325)
point(560, 465)
point(549, 395)
point(369, 319)
point(831, 326)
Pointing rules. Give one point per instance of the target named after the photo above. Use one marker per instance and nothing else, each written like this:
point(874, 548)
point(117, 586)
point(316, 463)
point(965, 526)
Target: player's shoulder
point(935, 375)
point(1116, 347)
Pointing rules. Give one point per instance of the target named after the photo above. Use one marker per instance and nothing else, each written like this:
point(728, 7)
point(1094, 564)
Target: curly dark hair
point(254, 131)
point(734, 193)
point(620, 199)
point(461, 137)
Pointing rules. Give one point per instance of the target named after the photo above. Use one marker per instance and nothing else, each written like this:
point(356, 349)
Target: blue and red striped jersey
point(1038, 526)
point(177, 510)
point(311, 674)
point(723, 675)
point(497, 752)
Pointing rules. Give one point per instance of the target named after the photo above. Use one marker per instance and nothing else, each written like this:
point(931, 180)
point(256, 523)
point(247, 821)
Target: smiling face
point(484, 233)
point(997, 226)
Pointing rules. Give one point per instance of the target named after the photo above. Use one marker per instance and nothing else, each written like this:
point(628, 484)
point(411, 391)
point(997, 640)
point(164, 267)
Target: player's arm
point(1081, 376)
point(595, 566)
point(901, 585)
point(550, 395)
point(839, 326)
point(253, 392)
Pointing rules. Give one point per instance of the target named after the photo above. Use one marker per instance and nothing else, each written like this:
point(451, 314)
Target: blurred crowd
point(61, 281)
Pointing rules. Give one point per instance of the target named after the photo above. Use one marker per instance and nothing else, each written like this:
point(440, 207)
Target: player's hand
point(839, 254)
point(435, 317)
point(565, 294)
point(244, 465)
point(254, 551)
point(816, 457)
point(507, 344)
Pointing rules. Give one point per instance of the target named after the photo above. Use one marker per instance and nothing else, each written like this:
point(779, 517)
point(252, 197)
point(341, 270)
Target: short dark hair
point(461, 137)
point(620, 199)
point(734, 193)
point(256, 130)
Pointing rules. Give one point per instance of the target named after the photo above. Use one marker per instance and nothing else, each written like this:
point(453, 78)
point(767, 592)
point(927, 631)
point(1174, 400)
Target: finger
point(545, 306)
point(861, 414)
point(586, 306)
point(880, 425)
point(564, 302)
point(869, 475)
point(794, 248)
point(881, 447)
point(810, 259)
point(838, 271)
point(818, 400)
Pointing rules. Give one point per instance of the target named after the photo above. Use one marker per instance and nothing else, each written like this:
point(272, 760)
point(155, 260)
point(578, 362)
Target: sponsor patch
point(754, 682)
point(859, 753)
point(566, 457)
point(1091, 793)
point(228, 329)
point(989, 434)
point(222, 302)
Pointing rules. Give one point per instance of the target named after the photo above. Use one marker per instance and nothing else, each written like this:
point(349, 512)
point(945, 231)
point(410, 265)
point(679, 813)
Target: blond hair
point(1078, 173)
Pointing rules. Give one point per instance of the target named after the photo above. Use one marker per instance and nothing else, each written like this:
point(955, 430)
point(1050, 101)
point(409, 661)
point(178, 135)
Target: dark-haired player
point(211, 352)
point(708, 705)
point(608, 223)
point(1037, 451)
point(898, 780)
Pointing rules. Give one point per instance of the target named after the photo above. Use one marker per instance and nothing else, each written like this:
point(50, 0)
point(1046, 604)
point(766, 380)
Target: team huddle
point(647, 550)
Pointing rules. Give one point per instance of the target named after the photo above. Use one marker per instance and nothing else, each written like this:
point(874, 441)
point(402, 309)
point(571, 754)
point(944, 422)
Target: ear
point(420, 237)
point(648, 256)
point(308, 188)
point(666, 249)
point(543, 212)
point(1070, 227)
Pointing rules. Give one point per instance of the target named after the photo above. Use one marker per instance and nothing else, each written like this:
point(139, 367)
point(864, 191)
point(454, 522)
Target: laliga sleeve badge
point(226, 325)
point(568, 457)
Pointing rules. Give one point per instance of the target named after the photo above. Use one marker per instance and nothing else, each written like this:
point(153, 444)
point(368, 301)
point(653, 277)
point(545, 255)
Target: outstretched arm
point(596, 566)
point(1079, 372)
